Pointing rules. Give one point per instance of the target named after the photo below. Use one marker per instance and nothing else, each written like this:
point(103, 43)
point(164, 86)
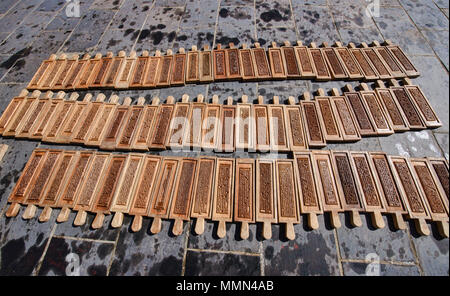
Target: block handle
point(80, 219)
point(63, 215)
point(177, 227)
point(137, 223)
point(377, 220)
point(98, 221)
point(290, 234)
point(244, 230)
point(335, 221)
point(422, 227)
point(117, 220)
point(30, 212)
point(267, 230)
point(200, 226)
point(156, 225)
point(46, 214)
point(222, 229)
point(13, 210)
point(355, 219)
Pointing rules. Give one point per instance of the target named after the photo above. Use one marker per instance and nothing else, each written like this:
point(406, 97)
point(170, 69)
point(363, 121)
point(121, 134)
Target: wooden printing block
point(391, 108)
point(116, 125)
point(370, 191)
point(305, 61)
point(323, 74)
point(45, 68)
point(433, 193)
point(164, 70)
point(93, 183)
point(126, 188)
point(277, 66)
point(295, 126)
point(290, 60)
point(112, 75)
point(423, 105)
point(89, 72)
point(19, 118)
point(206, 65)
point(160, 131)
point(261, 63)
point(138, 76)
point(222, 209)
point(389, 191)
point(376, 111)
point(347, 186)
point(180, 208)
point(99, 76)
point(248, 66)
point(345, 118)
point(193, 134)
point(104, 197)
point(86, 119)
point(203, 192)
point(313, 125)
point(219, 63)
point(365, 125)
point(439, 170)
point(262, 130)
point(62, 112)
point(377, 62)
point(39, 181)
point(63, 74)
point(335, 64)
point(414, 201)
point(59, 178)
point(179, 124)
point(327, 117)
point(388, 60)
point(325, 176)
point(3, 149)
point(193, 66)
point(51, 76)
point(287, 201)
point(244, 196)
point(245, 125)
point(66, 132)
point(310, 203)
point(12, 109)
point(365, 65)
point(126, 71)
point(266, 199)
point(178, 68)
point(402, 59)
point(409, 108)
point(46, 116)
point(163, 192)
point(349, 62)
point(145, 127)
point(98, 128)
point(76, 72)
point(71, 190)
point(32, 119)
point(233, 61)
point(24, 184)
point(211, 125)
point(141, 199)
point(131, 125)
point(150, 75)
point(279, 140)
point(227, 130)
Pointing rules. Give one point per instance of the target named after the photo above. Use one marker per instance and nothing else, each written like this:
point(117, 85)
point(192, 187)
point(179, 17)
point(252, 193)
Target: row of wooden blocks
point(222, 128)
point(240, 190)
point(247, 64)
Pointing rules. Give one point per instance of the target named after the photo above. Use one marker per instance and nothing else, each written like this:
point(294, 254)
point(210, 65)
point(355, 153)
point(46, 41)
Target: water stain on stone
point(271, 15)
point(16, 56)
point(103, 251)
point(223, 12)
point(168, 266)
point(96, 270)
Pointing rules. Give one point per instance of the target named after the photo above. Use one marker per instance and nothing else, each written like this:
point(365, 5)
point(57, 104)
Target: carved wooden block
point(44, 69)
point(193, 135)
point(388, 60)
point(89, 71)
point(305, 61)
point(179, 124)
point(335, 64)
point(349, 62)
point(262, 130)
point(313, 125)
point(96, 131)
point(266, 198)
point(131, 126)
point(126, 71)
point(138, 76)
point(63, 74)
point(150, 75)
point(75, 73)
point(261, 63)
point(248, 65)
point(279, 140)
point(3, 149)
point(112, 74)
point(144, 129)
point(365, 125)
point(227, 130)
point(245, 125)
point(12, 110)
point(310, 203)
point(377, 63)
point(18, 118)
point(219, 63)
point(146, 183)
point(409, 109)
point(178, 68)
point(429, 116)
point(290, 60)
point(203, 192)
point(277, 66)
point(295, 126)
point(327, 118)
point(52, 75)
point(244, 196)
point(47, 115)
point(287, 196)
point(31, 120)
point(180, 208)
point(233, 61)
point(101, 71)
point(161, 126)
point(193, 66)
point(391, 108)
point(211, 125)
point(364, 64)
point(345, 118)
point(62, 113)
point(206, 65)
point(407, 67)
point(222, 209)
point(116, 125)
point(376, 112)
point(85, 119)
point(320, 64)
point(439, 169)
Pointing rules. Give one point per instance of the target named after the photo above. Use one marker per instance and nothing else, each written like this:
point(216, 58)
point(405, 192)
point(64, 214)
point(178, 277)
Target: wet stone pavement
point(30, 30)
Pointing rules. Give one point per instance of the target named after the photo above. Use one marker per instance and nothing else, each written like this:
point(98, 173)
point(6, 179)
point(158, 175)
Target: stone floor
point(30, 30)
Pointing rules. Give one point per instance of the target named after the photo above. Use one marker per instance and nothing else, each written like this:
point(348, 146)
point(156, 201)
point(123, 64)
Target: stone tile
point(313, 252)
point(433, 254)
point(315, 24)
point(439, 42)
point(17, 14)
point(425, 14)
point(131, 15)
point(359, 269)
point(236, 3)
point(235, 33)
point(365, 144)
point(242, 17)
point(310, 2)
point(117, 40)
point(187, 37)
point(413, 144)
point(445, 11)
point(359, 35)
point(82, 42)
point(164, 18)
point(106, 4)
point(214, 264)
point(63, 255)
point(442, 140)
point(147, 254)
point(233, 89)
point(48, 42)
point(95, 21)
point(389, 245)
point(63, 22)
point(192, 90)
point(278, 35)
point(282, 89)
point(389, 3)
point(274, 14)
point(199, 14)
point(6, 5)
point(51, 5)
point(24, 68)
point(6, 62)
point(352, 15)
point(441, 3)
point(169, 3)
point(345, 2)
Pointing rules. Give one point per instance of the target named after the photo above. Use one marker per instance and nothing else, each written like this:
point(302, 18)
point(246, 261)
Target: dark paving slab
point(6, 5)
point(433, 253)
point(169, 3)
point(17, 14)
point(199, 14)
point(236, 2)
point(309, 2)
point(192, 90)
point(24, 68)
point(268, 35)
point(106, 4)
point(443, 142)
point(236, 34)
point(214, 264)
point(71, 257)
point(51, 5)
point(425, 14)
point(441, 3)
point(284, 89)
point(359, 269)
point(131, 15)
point(413, 144)
point(352, 15)
point(117, 40)
point(358, 35)
point(187, 37)
point(48, 42)
point(439, 42)
point(143, 253)
point(238, 16)
point(233, 89)
point(273, 14)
